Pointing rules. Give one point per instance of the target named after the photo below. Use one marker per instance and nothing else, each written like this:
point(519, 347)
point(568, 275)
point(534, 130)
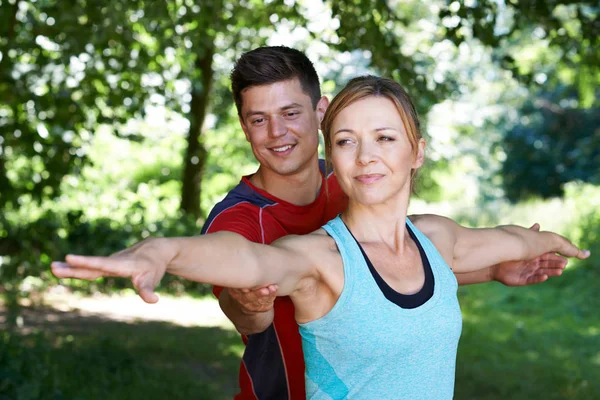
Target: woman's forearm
point(222, 258)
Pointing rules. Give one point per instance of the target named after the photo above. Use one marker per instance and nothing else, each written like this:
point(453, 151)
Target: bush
point(28, 248)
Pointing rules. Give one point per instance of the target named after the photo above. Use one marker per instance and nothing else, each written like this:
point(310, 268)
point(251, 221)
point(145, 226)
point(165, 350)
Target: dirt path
point(60, 306)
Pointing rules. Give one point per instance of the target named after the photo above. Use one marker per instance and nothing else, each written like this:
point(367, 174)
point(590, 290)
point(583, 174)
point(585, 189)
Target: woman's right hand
point(145, 263)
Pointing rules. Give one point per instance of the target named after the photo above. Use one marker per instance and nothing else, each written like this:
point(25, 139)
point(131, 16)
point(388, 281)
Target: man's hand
point(145, 263)
point(254, 301)
point(521, 273)
point(528, 272)
point(251, 311)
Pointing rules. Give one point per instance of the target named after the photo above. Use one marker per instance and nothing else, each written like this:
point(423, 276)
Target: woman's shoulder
point(431, 223)
point(317, 242)
point(441, 231)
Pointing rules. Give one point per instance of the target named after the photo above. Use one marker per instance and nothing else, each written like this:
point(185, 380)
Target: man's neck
point(299, 189)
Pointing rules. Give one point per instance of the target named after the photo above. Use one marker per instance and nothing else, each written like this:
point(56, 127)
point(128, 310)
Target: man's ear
point(321, 108)
point(244, 128)
point(420, 156)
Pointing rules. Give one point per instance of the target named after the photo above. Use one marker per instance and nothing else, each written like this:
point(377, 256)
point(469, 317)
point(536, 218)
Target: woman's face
point(371, 154)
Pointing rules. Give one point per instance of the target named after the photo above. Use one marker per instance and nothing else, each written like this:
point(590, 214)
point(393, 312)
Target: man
point(279, 103)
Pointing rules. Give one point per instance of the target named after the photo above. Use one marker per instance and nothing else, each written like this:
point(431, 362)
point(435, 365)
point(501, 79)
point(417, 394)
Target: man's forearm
point(480, 276)
point(245, 322)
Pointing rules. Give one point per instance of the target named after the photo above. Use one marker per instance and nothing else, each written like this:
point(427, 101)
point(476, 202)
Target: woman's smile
point(367, 179)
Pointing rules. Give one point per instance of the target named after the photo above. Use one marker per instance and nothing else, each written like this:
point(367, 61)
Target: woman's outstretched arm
point(222, 258)
point(467, 249)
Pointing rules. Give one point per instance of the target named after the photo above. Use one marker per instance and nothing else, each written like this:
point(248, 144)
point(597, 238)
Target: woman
point(374, 292)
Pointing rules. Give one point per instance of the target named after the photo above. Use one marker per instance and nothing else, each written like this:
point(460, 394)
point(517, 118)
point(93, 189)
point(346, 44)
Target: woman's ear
point(420, 156)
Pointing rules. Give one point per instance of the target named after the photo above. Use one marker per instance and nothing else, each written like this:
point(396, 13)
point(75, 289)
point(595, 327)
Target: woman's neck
point(382, 223)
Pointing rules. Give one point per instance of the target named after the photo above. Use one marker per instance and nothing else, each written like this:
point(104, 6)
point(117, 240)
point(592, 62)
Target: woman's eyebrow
point(343, 130)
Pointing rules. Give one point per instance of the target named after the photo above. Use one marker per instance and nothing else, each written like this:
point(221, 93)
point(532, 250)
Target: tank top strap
point(435, 258)
point(355, 266)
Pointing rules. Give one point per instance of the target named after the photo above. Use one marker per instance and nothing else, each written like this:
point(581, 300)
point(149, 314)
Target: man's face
point(281, 125)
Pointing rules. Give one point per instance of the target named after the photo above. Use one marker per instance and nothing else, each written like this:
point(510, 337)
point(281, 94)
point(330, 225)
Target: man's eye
point(258, 121)
point(291, 114)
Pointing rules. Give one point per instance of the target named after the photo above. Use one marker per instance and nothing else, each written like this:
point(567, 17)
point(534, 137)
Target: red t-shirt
point(273, 364)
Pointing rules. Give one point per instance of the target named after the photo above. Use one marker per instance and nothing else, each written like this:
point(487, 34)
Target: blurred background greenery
point(116, 123)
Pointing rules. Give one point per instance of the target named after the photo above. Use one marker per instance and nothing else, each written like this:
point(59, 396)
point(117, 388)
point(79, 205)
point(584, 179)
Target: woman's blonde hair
point(372, 86)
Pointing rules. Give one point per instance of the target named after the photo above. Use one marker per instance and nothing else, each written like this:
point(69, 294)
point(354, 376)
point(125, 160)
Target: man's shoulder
point(240, 206)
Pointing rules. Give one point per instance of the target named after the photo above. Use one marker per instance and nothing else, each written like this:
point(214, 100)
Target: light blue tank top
point(367, 347)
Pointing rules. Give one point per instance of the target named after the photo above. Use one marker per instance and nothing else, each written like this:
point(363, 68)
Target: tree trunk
point(6, 88)
point(195, 157)
point(9, 33)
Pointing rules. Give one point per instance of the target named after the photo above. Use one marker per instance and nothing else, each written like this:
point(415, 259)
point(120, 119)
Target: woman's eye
point(386, 139)
point(342, 142)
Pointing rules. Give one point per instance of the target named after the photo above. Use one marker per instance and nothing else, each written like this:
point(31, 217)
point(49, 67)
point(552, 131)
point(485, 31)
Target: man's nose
point(277, 127)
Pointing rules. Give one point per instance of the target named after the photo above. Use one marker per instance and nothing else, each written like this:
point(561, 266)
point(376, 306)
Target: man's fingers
point(255, 300)
point(538, 278)
point(255, 293)
point(552, 271)
point(267, 291)
point(553, 261)
point(110, 266)
point(553, 258)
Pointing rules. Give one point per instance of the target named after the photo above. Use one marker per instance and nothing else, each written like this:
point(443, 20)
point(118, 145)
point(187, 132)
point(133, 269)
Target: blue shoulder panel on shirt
point(242, 193)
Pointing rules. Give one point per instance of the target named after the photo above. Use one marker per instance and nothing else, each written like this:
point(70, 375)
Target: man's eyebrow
point(291, 105)
point(250, 113)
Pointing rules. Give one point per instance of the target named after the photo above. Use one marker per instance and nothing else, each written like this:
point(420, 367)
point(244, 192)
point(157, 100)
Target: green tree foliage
point(67, 67)
point(564, 33)
point(389, 33)
point(554, 143)
point(551, 48)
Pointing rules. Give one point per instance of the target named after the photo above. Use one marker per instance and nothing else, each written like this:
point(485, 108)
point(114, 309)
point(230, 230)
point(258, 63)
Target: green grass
point(538, 342)
point(91, 358)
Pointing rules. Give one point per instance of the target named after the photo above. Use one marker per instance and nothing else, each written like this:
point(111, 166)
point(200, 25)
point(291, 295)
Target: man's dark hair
point(267, 65)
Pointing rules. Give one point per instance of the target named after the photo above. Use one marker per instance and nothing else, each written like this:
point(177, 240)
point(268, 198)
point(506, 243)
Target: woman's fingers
point(107, 266)
point(147, 294)
point(568, 249)
point(65, 270)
